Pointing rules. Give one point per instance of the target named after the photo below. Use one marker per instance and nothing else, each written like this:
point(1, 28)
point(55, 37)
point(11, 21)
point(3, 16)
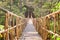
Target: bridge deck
point(30, 33)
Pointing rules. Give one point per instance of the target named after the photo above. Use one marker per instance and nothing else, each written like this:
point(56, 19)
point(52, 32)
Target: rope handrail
point(57, 12)
point(5, 10)
point(52, 14)
point(10, 28)
point(14, 25)
point(48, 25)
point(55, 34)
point(49, 31)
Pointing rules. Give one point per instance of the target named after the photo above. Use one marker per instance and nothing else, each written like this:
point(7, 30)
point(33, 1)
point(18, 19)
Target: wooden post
point(40, 27)
point(17, 27)
point(6, 27)
point(12, 31)
point(54, 25)
point(59, 23)
point(44, 25)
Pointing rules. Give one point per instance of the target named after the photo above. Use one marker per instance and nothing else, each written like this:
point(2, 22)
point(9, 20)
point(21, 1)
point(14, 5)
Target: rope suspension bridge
point(19, 28)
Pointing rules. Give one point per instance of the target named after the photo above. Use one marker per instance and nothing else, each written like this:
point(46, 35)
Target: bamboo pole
point(6, 27)
point(17, 36)
point(54, 25)
point(59, 23)
point(12, 33)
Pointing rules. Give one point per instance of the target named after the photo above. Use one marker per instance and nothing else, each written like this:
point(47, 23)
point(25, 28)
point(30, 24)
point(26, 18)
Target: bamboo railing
point(14, 26)
point(48, 25)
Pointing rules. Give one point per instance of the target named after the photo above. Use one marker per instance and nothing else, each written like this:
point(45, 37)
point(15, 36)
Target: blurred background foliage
point(41, 7)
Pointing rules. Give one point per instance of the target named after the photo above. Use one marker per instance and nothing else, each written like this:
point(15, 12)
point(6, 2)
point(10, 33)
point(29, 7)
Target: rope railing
point(48, 25)
point(49, 31)
point(10, 28)
point(5, 10)
point(14, 25)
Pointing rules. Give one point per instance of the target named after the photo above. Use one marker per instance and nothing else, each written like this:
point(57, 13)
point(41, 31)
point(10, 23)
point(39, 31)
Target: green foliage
point(1, 27)
point(36, 1)
point(51, 26)
point(1, 37)
point(16, 2)
point(52, 29)
point(46, 5)
point(58, 38)
point(15, 9)
point(1, 20)
point(57, 7)
point(2, 17)
point(37, 12)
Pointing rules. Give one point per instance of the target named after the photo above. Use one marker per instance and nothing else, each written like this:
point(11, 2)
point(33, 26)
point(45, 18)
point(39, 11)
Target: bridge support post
point(6, 27)
point(12, 31)
point(20, 28)
point(59, 23)
point(54, 25)
point(44, 33)
point(17, 29)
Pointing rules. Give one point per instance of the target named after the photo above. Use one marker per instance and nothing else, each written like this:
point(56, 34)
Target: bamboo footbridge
point(19, 28)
